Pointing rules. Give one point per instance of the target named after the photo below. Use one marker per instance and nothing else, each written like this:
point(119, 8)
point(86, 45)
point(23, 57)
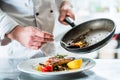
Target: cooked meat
point(56, 61)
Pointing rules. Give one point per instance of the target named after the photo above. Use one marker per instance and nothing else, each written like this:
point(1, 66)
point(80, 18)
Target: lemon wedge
point(38, 68)
point(75, 64)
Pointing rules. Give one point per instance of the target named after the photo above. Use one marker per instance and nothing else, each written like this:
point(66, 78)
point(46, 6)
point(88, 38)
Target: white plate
point(29, 65)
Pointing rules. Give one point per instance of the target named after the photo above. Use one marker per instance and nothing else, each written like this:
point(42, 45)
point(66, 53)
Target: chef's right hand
point(30, 37)
point(66, 11)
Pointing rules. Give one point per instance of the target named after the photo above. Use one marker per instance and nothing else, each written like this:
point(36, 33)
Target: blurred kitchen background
point(91, 9)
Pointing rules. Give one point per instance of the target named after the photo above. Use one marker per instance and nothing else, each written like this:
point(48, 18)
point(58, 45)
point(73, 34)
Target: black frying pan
point(99, 32)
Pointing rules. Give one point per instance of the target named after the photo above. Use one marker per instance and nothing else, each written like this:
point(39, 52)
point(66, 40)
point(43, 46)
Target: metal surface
point(98, 33)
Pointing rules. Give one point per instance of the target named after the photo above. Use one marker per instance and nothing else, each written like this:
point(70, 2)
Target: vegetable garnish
point(59, 63)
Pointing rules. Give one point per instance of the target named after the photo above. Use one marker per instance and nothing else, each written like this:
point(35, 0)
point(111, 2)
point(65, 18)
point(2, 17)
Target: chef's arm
point(7, 24)
point(65, 10)
point(29, 36)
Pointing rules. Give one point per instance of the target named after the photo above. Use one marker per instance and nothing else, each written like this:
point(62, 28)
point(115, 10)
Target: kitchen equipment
point(97, 33)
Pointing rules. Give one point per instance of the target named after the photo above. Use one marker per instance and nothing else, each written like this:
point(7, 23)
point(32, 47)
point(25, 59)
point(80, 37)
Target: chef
point(26, 25)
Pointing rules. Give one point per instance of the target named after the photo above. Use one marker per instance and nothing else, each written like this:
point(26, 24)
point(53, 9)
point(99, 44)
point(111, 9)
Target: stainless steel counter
point(105, 69)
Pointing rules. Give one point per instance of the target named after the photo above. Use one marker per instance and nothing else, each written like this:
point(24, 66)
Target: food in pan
point(59, 63)
point(79, 41)
point(80, 44)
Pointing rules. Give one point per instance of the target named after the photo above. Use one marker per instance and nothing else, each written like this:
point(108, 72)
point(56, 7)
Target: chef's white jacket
point(38, 13)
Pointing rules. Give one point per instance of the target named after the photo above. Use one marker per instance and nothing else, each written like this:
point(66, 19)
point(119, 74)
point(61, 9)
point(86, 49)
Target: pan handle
point(69, 21)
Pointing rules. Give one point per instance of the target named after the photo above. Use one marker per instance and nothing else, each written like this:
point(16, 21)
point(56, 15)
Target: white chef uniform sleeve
point(6, 24)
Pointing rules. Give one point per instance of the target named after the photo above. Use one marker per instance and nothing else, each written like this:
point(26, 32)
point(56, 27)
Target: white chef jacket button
point(37, 14)
point(51, 11)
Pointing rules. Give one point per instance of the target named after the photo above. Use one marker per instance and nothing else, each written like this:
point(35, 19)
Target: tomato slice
point(47, 68)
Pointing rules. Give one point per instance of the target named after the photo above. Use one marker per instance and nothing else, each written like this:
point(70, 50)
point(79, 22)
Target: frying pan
point(98, 34)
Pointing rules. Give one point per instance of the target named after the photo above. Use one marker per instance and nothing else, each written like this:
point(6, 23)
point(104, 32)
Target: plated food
point(74, 65)
point(59, 63)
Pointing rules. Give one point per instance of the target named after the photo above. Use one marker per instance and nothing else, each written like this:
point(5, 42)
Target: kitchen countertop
point(105, 69)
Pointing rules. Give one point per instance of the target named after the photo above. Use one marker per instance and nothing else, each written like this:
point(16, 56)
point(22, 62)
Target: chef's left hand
point(66, 11)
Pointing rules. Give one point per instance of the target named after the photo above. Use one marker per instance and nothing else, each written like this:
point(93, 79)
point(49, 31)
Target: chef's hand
point(66, 11)
point(30, 37)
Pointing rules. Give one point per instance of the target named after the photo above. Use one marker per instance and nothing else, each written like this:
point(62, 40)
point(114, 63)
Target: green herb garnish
point(60, 56)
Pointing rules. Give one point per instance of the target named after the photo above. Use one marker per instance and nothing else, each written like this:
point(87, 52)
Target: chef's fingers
point(70, 14)
point(66, 13)
point(62, 16)
point(47, 35)
point(43, 34)
point(41, 39)
point(36, 45)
